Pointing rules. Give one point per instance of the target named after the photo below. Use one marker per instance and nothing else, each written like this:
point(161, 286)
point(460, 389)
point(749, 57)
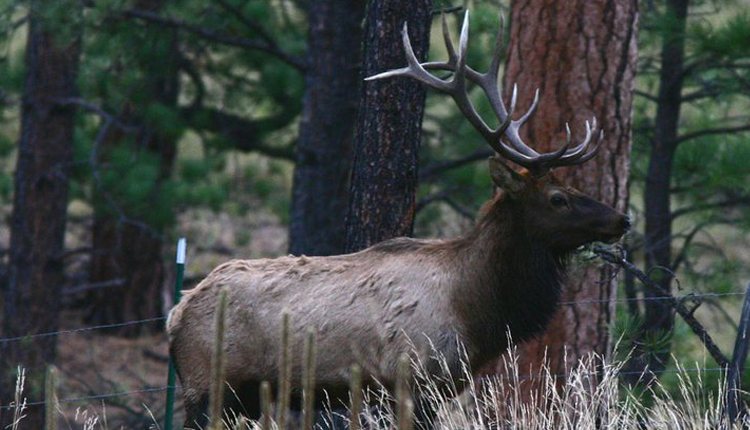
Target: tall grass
point(591, 397)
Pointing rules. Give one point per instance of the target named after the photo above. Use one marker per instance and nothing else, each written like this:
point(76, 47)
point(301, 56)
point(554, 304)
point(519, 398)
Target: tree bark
point(582, 56)
point(658, 240)
point(324, 150)
point(385, 173)
point(45, 154)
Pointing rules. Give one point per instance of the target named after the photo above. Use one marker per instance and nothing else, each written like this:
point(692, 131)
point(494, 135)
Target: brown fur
point(371, 306)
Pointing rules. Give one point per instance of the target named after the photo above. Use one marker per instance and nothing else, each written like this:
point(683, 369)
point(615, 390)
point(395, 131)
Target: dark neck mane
point(510, 281)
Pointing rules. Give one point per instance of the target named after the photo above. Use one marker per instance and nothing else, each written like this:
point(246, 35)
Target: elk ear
point(505, 177)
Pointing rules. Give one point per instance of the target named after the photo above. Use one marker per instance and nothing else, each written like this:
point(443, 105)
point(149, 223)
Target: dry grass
point(590, 398)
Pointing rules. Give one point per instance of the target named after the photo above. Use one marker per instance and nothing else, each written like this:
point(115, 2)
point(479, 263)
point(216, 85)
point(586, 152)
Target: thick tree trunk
point(45, 152)
point(130, 253)
point(581, 55)
point(384, 177)
point(321, 177)
point(658, 242)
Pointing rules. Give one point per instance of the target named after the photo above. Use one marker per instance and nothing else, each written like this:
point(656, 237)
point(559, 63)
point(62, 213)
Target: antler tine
point(531, 110)
point(581, 148)
point(447, 38)
point(463, 47)
point(588, 155)
point(414, 70)
point(508, 118)
point(495, 63)
point(511, 131)
point(551, 158)
point(488, 82)
point(578, 150)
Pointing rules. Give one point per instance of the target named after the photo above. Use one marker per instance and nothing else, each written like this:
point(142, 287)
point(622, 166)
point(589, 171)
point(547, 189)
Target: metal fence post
point(179, 274)
point(734, 406)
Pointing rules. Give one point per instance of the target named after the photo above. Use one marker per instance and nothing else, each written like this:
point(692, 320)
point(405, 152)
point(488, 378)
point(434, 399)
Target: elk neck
point(509, 280)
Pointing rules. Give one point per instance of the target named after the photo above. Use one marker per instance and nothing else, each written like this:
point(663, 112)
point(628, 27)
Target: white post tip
point(181, 245)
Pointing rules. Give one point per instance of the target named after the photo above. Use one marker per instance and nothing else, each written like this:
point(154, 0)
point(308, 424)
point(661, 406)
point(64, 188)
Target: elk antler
point(517, 152)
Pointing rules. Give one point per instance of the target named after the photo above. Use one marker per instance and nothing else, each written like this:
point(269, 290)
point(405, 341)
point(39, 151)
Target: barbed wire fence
point(733, 367)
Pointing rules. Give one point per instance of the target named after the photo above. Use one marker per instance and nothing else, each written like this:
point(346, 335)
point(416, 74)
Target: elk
point(500, 279)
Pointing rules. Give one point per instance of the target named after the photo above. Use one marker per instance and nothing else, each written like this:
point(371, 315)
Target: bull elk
point(502, 277)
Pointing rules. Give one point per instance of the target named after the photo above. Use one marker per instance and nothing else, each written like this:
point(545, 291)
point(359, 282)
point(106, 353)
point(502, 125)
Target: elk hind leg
point(196, 411)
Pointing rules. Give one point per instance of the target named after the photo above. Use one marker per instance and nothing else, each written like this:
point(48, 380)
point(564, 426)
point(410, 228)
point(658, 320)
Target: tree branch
point(452, 9)
point(208, 34)
point(431, 170)
point(646, 95)
point(686, 314)
point(699, 94)
point(75, 289)
point(711, 131)
point(443, 196)
point(252, 25)
point(195, 77)
point(243, 134)
point(682, 255)
point(741, 200)
point(104, 115)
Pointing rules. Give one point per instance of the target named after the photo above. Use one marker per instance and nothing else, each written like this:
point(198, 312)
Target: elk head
point(557, 215)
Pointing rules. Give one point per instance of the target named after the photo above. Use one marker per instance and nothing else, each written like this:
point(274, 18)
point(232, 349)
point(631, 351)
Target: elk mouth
point(610, 238)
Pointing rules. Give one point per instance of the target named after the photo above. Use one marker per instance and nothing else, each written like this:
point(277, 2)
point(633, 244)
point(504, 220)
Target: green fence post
point(179, 273)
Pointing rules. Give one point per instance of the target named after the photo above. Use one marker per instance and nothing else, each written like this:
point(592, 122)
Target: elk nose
point(626, 223)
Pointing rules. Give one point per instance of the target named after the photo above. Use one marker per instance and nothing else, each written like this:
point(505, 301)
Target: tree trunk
point(321, 177)
point(658, 240)
point(130, 253)
point(581, 55)
point(45, 154)
point(384, 176)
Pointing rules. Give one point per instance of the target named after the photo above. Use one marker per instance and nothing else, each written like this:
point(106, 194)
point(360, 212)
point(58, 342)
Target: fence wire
point(94, 397)
point(78, 330)
point(652, 299)
point(575, 302)
point(520, 377)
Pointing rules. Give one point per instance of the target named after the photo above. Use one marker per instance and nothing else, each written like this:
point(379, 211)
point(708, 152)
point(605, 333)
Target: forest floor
point(93, 364)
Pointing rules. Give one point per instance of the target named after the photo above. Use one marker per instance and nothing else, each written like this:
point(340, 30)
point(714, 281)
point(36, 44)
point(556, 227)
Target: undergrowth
point(591, 397)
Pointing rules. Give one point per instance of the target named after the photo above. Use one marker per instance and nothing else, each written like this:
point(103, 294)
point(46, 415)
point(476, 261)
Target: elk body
point(405, 295)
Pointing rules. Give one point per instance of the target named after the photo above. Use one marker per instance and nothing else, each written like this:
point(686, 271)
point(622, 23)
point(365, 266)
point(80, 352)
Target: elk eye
point(558, 201)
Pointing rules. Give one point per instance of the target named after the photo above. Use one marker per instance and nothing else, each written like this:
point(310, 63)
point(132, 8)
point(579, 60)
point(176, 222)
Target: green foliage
point(12, 71)
point(6, 187)
point(6, 146)
point(198, 185)
point(717, 163)
point(165, 120)
point(267, 183)
point(627, 331)
point(730, 40)
point(129, 179)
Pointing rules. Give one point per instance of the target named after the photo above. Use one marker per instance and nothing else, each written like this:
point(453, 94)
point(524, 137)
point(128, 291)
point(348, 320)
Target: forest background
point(236, 124)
